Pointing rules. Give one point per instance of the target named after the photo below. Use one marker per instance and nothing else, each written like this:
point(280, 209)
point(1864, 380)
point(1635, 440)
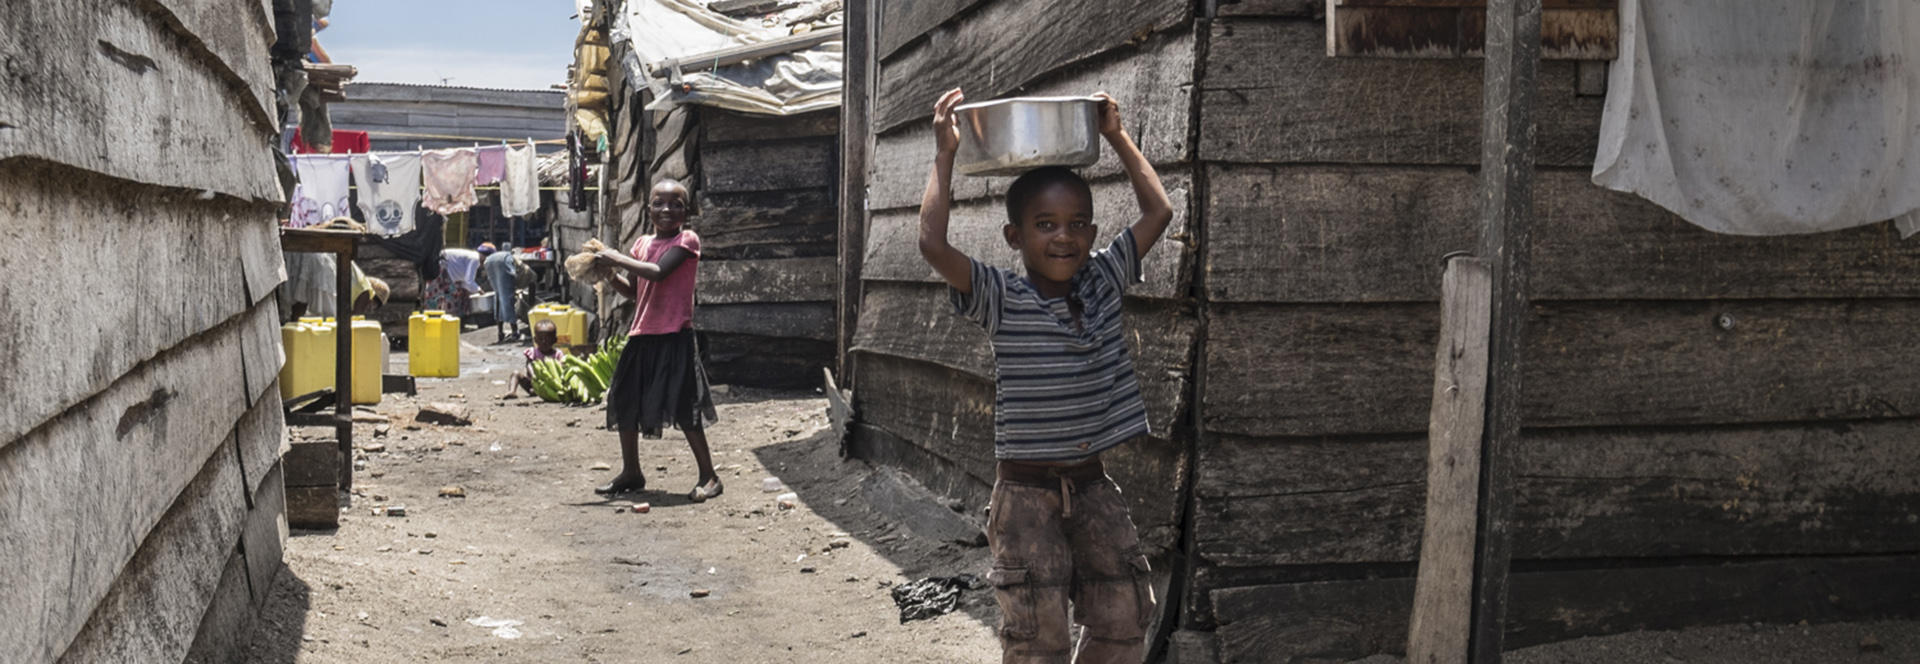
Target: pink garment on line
point(448, 178)
point(493, 165)
point(665, 306)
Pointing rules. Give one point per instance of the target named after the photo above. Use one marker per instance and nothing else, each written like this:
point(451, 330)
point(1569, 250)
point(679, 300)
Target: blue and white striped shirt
point(1061, 394)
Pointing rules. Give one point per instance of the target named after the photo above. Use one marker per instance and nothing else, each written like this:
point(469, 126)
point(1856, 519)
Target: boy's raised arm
point(951, 263)
point(1155, 210)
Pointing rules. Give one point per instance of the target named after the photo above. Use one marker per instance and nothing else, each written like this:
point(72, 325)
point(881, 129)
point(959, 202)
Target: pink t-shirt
point(665, 306)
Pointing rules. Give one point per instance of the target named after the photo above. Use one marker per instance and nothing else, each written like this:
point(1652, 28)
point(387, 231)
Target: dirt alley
point(531, 542)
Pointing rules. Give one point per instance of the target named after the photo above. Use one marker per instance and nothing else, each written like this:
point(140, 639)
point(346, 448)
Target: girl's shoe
point(701, 493)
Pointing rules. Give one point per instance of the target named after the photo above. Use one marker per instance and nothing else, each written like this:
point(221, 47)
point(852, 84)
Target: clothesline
point(444, 137)
point(392, 184)
point(356, 187)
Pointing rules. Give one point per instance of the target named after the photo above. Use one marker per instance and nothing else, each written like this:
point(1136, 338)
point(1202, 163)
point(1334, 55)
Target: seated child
point(1063, 544)
point(545, 334)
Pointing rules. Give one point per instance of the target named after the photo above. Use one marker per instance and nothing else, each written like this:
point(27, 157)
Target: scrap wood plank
point(1441, 607)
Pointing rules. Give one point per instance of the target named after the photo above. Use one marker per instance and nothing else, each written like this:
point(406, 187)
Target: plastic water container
point(539, 313)
point(433, 344)
point(570, 324)
point(310, 352)
point(367, 353)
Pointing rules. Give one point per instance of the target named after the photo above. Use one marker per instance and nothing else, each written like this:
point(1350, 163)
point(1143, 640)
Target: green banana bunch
point(573, 379)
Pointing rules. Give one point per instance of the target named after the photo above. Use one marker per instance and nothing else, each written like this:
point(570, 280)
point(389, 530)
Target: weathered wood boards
point(996, 50)
point(116, 92)
point(1344, 620)
point(1381, 28)
point(110, 329)
point(1350, 234)
point(784, 280)
point(1653, 492)
point(1152, 81)
point(768, 165)
point(1270, 95)
point(152, 609)
point(767, 218)
point(914, 321)
point(1361, 369)
point(893, 250)
point(147, 436)
point(797, 223)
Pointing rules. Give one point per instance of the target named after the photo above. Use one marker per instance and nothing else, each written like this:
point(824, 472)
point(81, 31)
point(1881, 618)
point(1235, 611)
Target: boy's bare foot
point(623, 484)
point(709, 489)
point(509, 395)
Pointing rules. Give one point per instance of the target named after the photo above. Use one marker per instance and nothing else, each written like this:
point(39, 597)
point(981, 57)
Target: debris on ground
point(933, 596)
point(450, 414)
point(453, 491)
point(699, 592)
point(502, 627)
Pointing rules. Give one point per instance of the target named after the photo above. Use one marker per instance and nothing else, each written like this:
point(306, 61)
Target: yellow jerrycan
point(433, 344)
point(367, 353)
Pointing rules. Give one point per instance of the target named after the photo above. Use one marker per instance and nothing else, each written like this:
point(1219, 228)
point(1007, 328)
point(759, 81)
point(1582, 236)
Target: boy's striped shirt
point(1060, 394)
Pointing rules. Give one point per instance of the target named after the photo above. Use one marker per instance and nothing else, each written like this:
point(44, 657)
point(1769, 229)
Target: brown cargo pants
point(1061, 539)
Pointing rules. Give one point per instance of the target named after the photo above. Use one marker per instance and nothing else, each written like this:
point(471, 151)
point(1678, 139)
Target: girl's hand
point(946, 132)
point(607, 257)
point(1109, 115)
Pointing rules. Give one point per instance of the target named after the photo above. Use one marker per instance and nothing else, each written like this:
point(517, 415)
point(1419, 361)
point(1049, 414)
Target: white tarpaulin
point(786, 84)
point(1767, 117)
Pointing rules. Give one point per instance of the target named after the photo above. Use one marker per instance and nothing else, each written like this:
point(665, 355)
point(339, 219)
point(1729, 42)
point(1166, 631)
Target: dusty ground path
point(530, 542)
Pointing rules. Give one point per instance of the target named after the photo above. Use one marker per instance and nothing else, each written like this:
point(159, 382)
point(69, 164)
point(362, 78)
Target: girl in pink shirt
point(659, 380)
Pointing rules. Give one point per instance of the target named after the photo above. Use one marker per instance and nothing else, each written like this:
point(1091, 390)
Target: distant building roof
point(404, 116)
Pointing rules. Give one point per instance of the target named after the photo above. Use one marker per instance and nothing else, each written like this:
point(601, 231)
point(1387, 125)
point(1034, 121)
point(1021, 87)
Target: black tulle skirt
point(660, 382)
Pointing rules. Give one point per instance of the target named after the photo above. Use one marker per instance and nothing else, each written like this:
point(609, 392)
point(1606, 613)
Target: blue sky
point(521, 44)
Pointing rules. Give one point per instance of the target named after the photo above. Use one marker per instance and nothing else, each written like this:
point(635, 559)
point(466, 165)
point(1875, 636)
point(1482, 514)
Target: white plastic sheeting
point(793, 83)
point(1767, 117)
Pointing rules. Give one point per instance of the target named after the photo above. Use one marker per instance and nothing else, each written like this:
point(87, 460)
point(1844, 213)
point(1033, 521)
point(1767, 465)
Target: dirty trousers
point(1061, 539)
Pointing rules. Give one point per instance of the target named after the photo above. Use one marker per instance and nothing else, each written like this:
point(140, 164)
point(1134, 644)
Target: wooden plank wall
point(1711, 421)
point(924, 377)
point(768, 190)
point(142, 424)
point(765, 191)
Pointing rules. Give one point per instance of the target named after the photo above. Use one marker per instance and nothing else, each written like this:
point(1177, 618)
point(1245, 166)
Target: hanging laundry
point(322, 193)
point(1778, 117)
point(493, 165)
point(448, 176)
point(389, 189)
point(520, 189)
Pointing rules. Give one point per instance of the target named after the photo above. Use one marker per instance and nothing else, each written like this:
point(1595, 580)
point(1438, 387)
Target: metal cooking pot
point(1012, 136)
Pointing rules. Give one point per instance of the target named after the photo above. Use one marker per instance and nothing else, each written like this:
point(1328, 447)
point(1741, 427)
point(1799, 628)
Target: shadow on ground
point(810, 465)
point(281, 626)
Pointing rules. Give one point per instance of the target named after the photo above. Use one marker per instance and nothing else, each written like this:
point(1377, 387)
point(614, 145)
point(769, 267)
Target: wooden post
point(1442, 599)
point(1506, 168)
point(855, 147)
point(343, 360)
